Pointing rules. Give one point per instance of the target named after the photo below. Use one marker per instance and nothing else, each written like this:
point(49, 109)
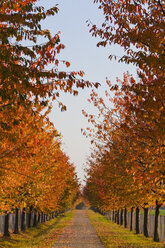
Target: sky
point(83, 54)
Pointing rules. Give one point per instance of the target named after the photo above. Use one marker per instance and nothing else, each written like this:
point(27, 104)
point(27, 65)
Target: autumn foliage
point(35, 173)
point(126, 168)
point(29, 57)
point(34, 170)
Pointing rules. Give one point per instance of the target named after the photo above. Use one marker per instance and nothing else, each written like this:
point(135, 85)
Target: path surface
point(79, 233)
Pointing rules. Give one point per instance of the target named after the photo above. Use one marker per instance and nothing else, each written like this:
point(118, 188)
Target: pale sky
point(82, 53)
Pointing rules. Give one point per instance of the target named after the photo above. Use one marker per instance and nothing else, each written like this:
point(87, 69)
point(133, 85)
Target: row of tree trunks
point(41, 218)
point(117, 217)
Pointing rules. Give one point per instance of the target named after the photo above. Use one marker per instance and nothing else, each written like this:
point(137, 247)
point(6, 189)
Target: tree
point(137, 26)
point(34, 171)
point(131, 135)
point(29, 69)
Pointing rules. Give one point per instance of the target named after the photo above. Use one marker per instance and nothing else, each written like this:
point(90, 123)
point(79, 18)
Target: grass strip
point(115, 236)
point(161, 211)
point(42, 236)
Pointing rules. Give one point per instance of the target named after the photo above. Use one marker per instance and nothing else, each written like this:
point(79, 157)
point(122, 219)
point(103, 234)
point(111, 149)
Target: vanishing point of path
point(79, 233)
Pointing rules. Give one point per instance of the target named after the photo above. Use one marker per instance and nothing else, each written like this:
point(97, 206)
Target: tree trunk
point(156, 234)
point(137, 220)
point(30, 217)
point(121, 217)
point(23, 226)
point(35, 220)
point(42, 217)
point(118, 216)
point(131, 226)
point(6, 227)
point(113, 216)
point(125, 217)
point(16, 222)
point(145, 227)
point(39, 217)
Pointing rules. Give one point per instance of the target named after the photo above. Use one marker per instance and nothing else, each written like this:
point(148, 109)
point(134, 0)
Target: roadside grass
point(115, 236)
point(42, 236)
point(162, 212)
point(152, 212)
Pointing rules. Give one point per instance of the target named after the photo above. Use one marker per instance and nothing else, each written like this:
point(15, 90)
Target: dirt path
point(79, 233)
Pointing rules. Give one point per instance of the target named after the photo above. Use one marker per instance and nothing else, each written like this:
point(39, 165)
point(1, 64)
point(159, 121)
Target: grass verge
point(115, 236)
point(43, 236)
point(152, 212)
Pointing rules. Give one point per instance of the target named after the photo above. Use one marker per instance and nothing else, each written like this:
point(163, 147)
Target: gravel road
point(79, 233)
